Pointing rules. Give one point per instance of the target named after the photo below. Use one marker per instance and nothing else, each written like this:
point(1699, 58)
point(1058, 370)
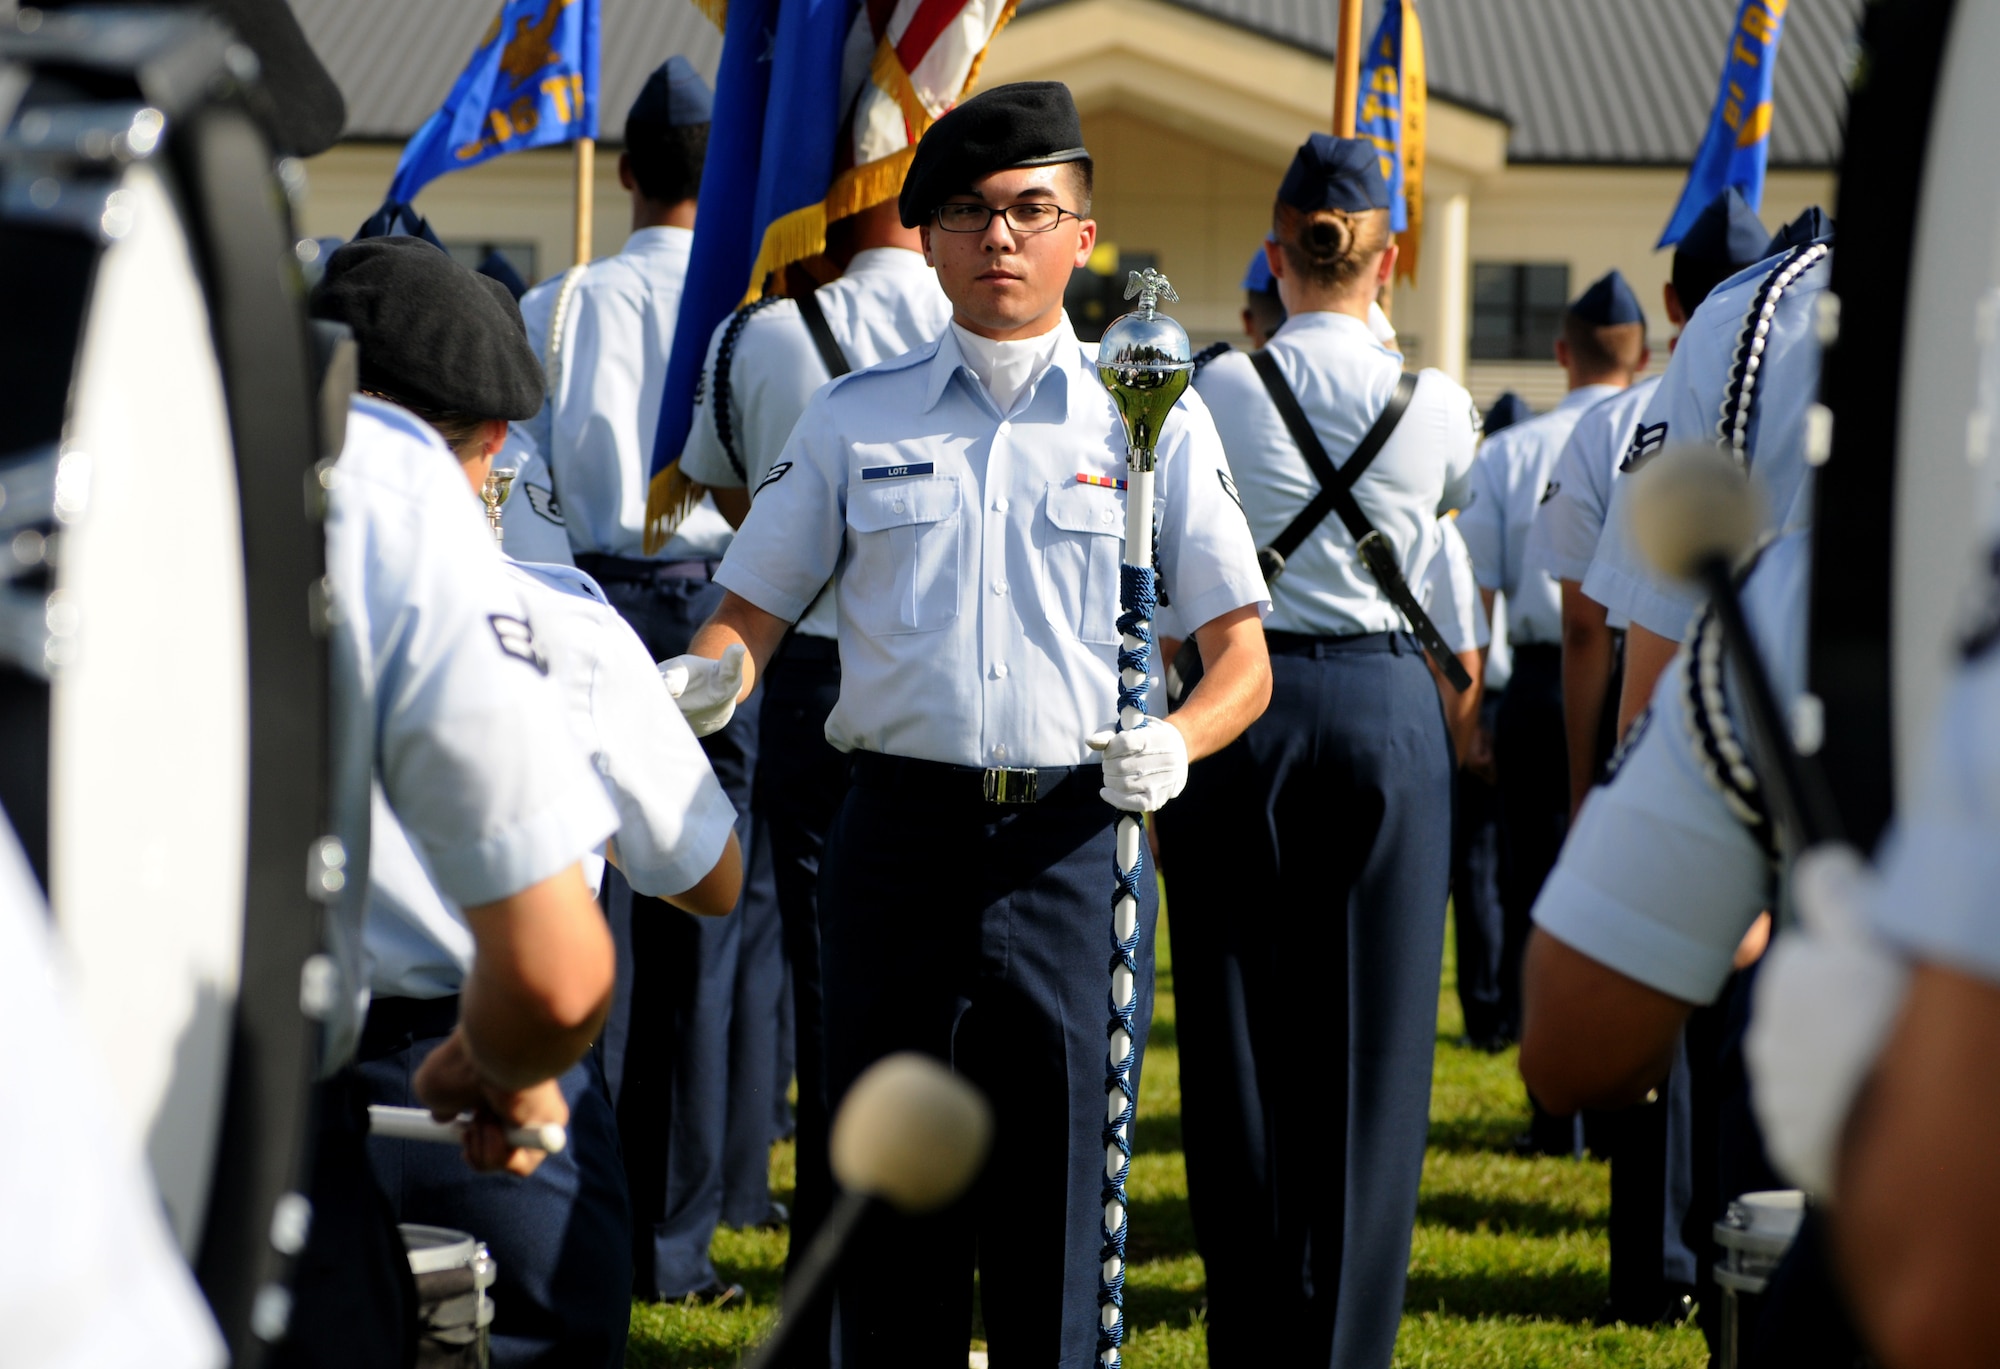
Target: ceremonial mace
point(499, 484)
point(1145, 362)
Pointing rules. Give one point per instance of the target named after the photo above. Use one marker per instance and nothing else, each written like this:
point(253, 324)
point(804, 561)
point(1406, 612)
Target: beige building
point(1548, 163)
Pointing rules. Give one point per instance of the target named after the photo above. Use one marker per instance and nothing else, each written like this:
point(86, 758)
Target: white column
point(1447, 272)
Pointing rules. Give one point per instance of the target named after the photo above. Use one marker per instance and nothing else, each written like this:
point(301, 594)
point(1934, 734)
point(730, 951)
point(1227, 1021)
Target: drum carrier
point(163, 678)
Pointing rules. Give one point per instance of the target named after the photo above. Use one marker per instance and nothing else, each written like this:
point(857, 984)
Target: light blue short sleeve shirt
point(1513, 473)
point(597, 426)
point(1940, 864)
point(1658, 879)
point(435, 662)
point(1570, 522)
point(1687, 408)
point(1343, 378)
point(976, 557)
point(886, 303)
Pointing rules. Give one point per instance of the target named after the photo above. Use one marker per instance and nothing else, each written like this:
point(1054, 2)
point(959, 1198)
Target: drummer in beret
point(444, 342)
point(1028, 123)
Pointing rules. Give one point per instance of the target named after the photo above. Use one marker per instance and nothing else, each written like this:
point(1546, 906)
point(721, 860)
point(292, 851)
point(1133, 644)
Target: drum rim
point(1850, 639)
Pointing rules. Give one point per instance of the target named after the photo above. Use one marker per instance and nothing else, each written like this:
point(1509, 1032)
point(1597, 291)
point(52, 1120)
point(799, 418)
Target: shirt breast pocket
point(903, 553)
point(1080, 555)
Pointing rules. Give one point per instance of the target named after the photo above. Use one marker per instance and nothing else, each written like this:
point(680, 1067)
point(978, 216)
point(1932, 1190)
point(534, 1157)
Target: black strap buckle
point(1012, 786)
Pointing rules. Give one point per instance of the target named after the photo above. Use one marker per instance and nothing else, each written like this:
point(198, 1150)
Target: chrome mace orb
point(499, 484)
point(1145, 362)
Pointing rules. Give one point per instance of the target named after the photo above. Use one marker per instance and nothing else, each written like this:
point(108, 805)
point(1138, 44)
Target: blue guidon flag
point(1390, 113)
point(1738, 142)
point(532, 81)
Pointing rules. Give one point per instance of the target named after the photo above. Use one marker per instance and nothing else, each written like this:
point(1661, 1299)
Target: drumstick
point(911, 1136)
point(417, 1124)
point(1694, 516)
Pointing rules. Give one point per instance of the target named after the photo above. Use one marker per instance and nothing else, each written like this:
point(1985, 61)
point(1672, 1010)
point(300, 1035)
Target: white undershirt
point(1006, 368)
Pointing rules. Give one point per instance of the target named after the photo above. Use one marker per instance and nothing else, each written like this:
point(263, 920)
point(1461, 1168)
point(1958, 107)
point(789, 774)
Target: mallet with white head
point(912, 1136)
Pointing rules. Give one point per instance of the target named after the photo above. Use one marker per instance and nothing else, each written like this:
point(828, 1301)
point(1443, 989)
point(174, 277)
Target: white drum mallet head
point(1694, 507)
point(911, 1133)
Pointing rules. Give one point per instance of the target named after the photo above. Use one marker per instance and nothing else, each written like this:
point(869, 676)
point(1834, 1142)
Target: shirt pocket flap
point(902, 503)
point(1087, 508)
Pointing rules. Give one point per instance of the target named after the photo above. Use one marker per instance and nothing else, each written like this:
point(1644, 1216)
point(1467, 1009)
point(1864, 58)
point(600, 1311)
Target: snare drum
point(1752, 1237)
point(453, 1273)
point(162, 691)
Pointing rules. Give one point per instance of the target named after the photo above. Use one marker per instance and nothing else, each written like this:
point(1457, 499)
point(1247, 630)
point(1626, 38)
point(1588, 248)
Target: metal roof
point(1619, 82)
point(395, 60)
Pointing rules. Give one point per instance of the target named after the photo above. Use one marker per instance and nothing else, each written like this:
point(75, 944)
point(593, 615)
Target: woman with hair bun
point(1307, 1026)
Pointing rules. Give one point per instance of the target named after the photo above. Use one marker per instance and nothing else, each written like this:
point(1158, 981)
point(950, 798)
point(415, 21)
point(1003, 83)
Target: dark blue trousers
point(560, 1237)
point(1309, 864)
point(668, 1043)
point(801, 781)
point(756, 1090)
point(1478, 923)
point(981, 935)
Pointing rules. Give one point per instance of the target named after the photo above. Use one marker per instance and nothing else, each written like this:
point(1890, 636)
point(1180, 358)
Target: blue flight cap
point(1812, 224)
point(1726, 233)
point(1258, 279)
point(1335, 173)
point(397, 220)
point(1507, 410)
point(1608, 302)
point(674, 96)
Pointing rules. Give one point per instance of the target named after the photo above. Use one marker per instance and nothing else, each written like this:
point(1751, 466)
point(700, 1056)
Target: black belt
point(1000, 786)
point(1529, 651)
point(631, 570)
point(394, 1022)
point(1359, 643)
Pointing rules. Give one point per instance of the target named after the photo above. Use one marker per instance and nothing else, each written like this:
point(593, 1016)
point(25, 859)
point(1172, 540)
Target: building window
point(519, 255)
point(1517, 310)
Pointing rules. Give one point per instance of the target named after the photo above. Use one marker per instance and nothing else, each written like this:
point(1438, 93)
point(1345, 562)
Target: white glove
point(706, 690)
point(1825, 1001)
point(1143, 766)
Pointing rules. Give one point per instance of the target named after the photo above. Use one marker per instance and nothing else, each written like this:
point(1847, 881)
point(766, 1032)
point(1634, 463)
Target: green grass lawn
point(1508, 1265)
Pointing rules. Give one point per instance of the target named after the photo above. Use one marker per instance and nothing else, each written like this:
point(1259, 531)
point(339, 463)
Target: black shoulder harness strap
point(836, 361)
point(1336, 495)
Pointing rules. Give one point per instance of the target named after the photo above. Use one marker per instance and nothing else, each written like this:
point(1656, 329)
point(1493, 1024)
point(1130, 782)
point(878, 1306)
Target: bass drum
point(162, 690)
point(1903, 522)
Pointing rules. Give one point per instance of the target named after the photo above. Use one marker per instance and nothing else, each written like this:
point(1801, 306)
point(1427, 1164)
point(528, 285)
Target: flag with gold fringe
point(818, 108)
point(1390, 114)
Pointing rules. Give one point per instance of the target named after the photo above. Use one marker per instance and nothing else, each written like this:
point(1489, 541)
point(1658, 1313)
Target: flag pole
point(586, 176)
point(1347, 69)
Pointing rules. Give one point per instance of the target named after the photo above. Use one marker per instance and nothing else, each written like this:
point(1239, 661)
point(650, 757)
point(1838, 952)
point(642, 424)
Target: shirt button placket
point(997, 630)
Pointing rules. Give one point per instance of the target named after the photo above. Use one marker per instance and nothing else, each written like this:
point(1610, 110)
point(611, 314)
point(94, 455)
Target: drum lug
point(326, 869)
point(1826, 319)
point(291, 1223)
point(321, 609)
point(319, 982)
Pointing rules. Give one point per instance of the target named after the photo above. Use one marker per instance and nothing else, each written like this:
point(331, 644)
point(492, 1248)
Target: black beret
point(432, 334)
point(1028, 123)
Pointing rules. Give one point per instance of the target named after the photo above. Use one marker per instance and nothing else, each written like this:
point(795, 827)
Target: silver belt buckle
point(1012, 786)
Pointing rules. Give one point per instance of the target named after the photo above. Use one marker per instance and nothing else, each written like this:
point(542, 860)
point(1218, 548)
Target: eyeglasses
point(1032, 216)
